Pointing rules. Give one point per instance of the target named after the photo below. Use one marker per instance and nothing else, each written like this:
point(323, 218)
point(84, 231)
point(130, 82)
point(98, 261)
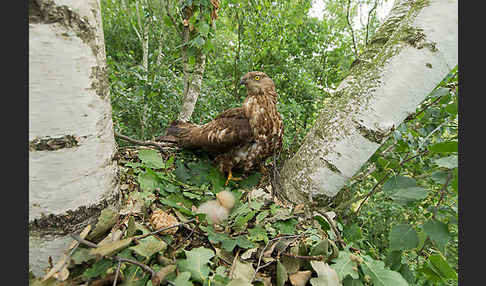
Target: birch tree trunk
point(192, 87)
point(72, 176)
point(414, 49)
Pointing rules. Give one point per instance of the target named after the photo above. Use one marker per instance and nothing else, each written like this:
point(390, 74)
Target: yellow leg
point(230, 177)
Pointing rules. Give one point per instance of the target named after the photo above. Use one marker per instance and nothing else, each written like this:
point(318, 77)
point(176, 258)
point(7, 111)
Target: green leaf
point(282, 275)
point(348, 281)
point(292, 264)
point(323, 222)
point(261, 216)
point(438, 233)
point(442, 267)
point(393, 260)
point(444, 147)
point(131, 229)
point(81, 255)
point(352, 233)
point(344, 266)
point(407, 273)
point(148, 180)
point(403, 237)
point(451, 108)
point(216, 179)
point(455, 182)
point(449, 162)
point(439, 177)
point(379, 275)
point(204, 29)
point(195, 174)
point(244, 243)
point(169, 201)
point(431, 273)
point(151, 158)
point(321, 248)
point(149, 246)
point(404, 190)
point(106, 220)
point(438, 92)
point(243, 271)
point(258, 233)
point(286, 226)
point(326, 276)
point(250, 181)
point(241, 221)
point(183, 279)
point(98, 268)
point(196, 263)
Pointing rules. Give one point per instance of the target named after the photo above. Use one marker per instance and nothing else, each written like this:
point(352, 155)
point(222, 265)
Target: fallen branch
point(117, 258)
point(339, 240)
point(263, 251)
point(317, 257)
point(160, 146)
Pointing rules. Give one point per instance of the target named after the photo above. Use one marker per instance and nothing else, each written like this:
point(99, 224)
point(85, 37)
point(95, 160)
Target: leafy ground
point(263, 242)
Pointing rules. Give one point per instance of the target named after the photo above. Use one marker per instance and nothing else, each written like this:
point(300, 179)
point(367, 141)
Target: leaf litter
point(159, 238)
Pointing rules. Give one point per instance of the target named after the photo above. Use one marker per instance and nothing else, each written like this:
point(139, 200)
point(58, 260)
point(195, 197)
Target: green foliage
point(410, 222)
point(196, 263)
point(413, 214)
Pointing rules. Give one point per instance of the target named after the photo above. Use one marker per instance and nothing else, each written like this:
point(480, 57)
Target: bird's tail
point(176, 131)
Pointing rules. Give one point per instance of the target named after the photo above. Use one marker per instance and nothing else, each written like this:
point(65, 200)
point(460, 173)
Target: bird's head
point(256, 82)
point(226, 199)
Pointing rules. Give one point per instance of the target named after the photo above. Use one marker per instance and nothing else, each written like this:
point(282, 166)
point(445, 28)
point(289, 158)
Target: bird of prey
point(239, 138)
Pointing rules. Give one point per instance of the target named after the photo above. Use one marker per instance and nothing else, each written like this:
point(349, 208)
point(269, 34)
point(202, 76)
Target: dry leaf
point(160, 219)
point(63, 274)
point(300, 278)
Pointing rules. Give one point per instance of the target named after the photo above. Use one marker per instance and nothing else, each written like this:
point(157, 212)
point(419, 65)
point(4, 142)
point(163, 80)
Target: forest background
point(152, 63)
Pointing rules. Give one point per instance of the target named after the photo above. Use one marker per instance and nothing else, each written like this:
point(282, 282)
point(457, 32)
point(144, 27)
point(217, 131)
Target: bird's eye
point(257, 77)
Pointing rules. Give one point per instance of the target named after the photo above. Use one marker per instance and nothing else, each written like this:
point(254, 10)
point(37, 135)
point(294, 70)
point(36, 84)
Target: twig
point(116, 274)
point(172, 19)
point(233, 265)
point(145, 143)
point(368, 21)
point(268, 243)
point(334, 229)
point(83, 241)
point(143, 266)
point(413, 116)
point(373, 190)
point(317, 257)
point(117, 258)
point(442, 191)
point(375, 187)
point(351, 28)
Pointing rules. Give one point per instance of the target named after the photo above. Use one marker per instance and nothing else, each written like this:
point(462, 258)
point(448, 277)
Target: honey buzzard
point(239, 138)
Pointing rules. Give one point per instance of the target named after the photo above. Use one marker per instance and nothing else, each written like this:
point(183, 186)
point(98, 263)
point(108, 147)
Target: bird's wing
point(227, 130)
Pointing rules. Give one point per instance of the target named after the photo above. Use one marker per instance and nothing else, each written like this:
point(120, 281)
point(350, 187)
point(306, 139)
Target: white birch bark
point(192, 88)
point(72, 176)
point(411, 53)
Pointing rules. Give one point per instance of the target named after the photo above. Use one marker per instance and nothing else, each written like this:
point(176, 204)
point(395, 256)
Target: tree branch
point(171, 18)
point(348, 12)
point(160, 146)
point(368, 21)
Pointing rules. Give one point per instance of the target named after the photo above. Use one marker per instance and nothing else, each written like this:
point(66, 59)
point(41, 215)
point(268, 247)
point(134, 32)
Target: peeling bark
point(391, 78)
point(72, 176)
